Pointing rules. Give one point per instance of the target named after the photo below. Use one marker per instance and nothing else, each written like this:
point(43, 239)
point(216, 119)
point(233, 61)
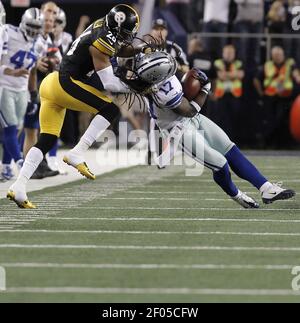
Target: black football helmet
point(123, 21)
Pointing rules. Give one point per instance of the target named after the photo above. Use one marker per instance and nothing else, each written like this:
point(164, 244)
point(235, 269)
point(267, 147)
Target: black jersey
point(78, 62)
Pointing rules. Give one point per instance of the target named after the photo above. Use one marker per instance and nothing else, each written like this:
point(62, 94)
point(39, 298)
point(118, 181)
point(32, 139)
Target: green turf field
point(143, 235)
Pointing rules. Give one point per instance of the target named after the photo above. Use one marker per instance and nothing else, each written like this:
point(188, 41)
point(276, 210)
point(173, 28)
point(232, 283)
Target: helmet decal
point(120, 18)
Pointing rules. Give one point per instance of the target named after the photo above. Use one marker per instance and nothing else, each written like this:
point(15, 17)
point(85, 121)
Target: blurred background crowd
point(249, 48)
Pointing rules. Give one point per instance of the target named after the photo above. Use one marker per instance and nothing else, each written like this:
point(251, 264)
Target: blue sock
point(223, 179)
point(6, 159)
point(53, 151)
point(10, 139)
point(243, 168)
point(22, 140)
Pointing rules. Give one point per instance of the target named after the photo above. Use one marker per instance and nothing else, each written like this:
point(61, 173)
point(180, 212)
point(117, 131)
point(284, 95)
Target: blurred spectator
point(195, 13)
point(84, 21)
point(180, 9)
point(250, 19)
point(199, 58)
point(216, 19)
point(275, 84)
point(277, 17)
point(160, 32)
point(229, 89)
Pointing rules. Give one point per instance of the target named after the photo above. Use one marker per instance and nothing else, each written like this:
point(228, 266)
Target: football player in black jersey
point(85, 72)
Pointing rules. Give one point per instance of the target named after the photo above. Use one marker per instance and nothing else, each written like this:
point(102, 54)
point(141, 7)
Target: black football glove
point(203, 79)
point(33, 104)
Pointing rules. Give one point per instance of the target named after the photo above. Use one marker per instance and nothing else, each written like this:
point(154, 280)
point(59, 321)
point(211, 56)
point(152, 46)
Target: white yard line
point(261, 234)
point(136, 247)
point(237, 209)
point(153, 291)
point(148, 266)
point(140, 219)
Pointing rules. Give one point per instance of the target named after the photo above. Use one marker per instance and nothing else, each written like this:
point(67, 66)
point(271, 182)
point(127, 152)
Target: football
point(191, 85)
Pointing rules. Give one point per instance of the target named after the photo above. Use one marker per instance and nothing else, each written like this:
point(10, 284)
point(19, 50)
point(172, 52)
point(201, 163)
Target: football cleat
point(246, 201)
point(22, 204)
point(7, 173)
point(276, 193)
point(82, 168)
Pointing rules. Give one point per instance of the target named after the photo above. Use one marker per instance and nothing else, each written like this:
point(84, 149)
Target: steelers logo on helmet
point(120, 18)
point(123, 22)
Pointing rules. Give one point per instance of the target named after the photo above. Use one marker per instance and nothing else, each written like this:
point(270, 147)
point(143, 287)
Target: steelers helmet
point(123, 21)
point(32, 23)
point(2, 14)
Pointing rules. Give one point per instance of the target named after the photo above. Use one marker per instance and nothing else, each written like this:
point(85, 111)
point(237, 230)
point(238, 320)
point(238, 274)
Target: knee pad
point(46, 142)
point(110, 112)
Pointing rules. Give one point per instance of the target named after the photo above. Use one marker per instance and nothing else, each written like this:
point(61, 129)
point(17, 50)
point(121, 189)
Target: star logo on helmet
point(120, 17)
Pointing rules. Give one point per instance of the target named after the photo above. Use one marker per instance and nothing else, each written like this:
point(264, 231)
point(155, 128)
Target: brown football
point(191, 85)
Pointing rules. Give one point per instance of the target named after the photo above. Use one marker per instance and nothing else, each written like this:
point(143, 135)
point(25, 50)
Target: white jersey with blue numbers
point(3, 41)
point(21, 53)
point(163, 102)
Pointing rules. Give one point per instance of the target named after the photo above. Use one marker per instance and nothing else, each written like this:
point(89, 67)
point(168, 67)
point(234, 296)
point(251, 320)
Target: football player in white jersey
point(15, 71)
point(49, 62)
point(175, 114)
point(3, 35)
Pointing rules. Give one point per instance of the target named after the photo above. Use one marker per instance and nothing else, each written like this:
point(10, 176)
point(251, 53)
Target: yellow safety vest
point(279, 81)
point(235, 86)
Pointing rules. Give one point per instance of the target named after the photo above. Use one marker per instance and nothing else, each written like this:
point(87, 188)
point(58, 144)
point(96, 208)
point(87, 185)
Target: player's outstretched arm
point(105, 72)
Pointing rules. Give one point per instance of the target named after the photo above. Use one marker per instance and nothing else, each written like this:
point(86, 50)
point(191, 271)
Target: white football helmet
point(32, 23)
point(2, 15)
point(61, 18)
point(155, 67)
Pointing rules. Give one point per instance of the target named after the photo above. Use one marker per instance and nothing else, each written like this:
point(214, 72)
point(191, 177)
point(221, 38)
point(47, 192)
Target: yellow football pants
point(61, 93)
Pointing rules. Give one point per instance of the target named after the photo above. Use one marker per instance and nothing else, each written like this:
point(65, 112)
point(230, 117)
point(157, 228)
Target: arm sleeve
point(111, 82)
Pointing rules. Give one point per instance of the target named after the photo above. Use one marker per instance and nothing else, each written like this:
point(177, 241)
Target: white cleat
point(245, 201)
point(276, 193)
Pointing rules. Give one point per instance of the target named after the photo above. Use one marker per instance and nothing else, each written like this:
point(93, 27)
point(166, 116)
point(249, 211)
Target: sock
point(243, 168)
point(10, 139)
point(94, 131)
point(6, 159)
point(223, 179)
point(31, 163)
point(53, 151)
point(21, 140)
point(265, 187)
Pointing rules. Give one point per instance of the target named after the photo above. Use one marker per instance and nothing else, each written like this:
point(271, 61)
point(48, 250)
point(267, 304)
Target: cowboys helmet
point(61, 18)
point(155, 67)
point(123, 21)
point(32, 23)
point(2, 14)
